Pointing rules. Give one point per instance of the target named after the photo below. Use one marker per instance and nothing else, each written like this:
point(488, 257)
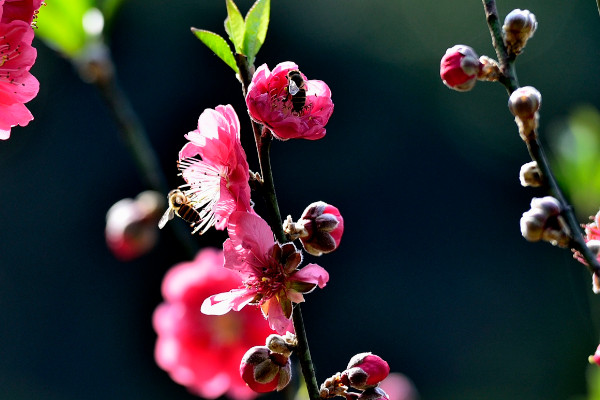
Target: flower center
point(203, 190)
point(269, 282)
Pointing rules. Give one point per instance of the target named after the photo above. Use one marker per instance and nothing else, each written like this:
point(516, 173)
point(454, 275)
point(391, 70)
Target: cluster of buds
point(530, 175)
point(519, 26)
point(320, 228)
point(268, 368)
point(364, 372)
point(131, 225)
point(524, 103)
point(544, 222)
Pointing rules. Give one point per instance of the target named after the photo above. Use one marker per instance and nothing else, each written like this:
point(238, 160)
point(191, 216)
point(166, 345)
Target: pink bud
point(459, 68)
point(265, 371)
point(131, 225)
point(320, 228)
point(365, 370)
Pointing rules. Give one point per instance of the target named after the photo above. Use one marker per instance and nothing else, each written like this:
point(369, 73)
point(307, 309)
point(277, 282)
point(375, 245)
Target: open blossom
point(269, 273)
point(17, 84)
point(199, 351)
point(271, 103)
point(217, 184)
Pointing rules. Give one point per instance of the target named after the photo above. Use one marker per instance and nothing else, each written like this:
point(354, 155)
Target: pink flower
point(17, 84)
point(459, 68)
point(23, 10)
point(268, 270)
point(198, 351)
point(217, 185)
point(275, 100)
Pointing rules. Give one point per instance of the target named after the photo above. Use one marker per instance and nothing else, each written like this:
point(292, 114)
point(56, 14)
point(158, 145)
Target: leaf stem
point(509, 80)
point(263, 138)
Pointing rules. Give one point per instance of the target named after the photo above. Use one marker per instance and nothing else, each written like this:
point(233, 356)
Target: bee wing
point(293, 88)
point(167, 216)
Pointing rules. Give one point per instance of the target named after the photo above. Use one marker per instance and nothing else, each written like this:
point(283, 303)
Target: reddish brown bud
point(265, 371)
point(365, 370)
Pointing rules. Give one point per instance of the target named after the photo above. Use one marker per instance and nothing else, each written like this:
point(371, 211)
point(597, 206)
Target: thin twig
point(510, 82)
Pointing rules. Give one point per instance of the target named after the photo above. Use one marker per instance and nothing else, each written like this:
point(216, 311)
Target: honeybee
point(181, 205)
point(297, 89)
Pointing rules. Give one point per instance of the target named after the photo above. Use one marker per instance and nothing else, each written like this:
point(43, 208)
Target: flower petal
point(222, 303)
point(312, 273)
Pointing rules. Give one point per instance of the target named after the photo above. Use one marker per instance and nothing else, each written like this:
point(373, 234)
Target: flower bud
point(374, 393)
point(525, 102)
point(519, 26)
point(548, 204)
point(365, 370)
point(544, 222)
point(459, 68)
point(320, 228)
point(265, 371)
point(530, 175)
point(131, 225)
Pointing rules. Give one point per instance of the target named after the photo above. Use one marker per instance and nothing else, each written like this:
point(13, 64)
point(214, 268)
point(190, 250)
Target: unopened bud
point(530, 175)
point(544, 222)
point(525, 102)
point(333, 387)
point(320, 228)
point(519, 26)
point(459, 68)
point(374, 393)
point(265, 371)
point(131, 225)
point(365, 370)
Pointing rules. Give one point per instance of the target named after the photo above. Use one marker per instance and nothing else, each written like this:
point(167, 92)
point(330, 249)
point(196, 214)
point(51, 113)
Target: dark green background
point(432, 273)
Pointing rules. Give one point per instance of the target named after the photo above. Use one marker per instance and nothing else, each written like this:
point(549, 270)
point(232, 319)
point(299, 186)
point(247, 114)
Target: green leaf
point(60, 25)
point(218, 45)
point(235, 26)
point(257, 22)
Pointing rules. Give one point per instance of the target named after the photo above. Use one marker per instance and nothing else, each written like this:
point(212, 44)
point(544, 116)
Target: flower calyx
point(283, 345)
point(264, 370)
point(519, 26)
point(544, 222)
point(524, 104)
point(320, 228)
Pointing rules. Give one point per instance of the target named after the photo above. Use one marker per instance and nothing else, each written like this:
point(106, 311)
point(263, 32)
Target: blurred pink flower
point(268, 270)
point(23, 10)
point(17, 84)
point(399, 387)
point(199, 351)
point(270, 103)
point(217, 185)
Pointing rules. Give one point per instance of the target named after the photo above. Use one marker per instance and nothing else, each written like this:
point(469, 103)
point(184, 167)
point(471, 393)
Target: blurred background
point(432, 273)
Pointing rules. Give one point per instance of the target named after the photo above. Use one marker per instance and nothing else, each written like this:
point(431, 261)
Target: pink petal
point(222, 303)
point(312, 273)
point(277, 320)
point(251, 232)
